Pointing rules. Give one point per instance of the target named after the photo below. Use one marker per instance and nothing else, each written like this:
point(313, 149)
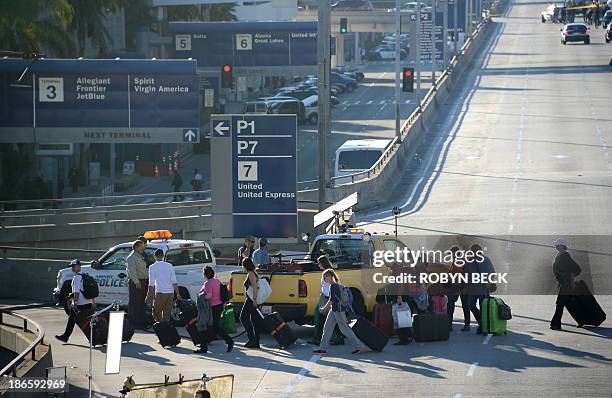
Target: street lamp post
point(396, 212)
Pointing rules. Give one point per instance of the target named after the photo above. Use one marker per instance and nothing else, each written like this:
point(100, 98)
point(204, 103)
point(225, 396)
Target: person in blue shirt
point(261, 255)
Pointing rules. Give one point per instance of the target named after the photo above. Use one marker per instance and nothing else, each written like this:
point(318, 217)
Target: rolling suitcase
point(276, 326)
point(383, 318)
point(583, 307)
point(491, 323)
point(192, 329)
point(100, 330)
point(183, 311)
point(369, 334)
point(430, 327)
point(128, 330)
point(167, 334)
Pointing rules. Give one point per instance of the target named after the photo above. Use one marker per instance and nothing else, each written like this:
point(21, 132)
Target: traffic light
point(343, 25)
point(408, 80)
point(226, 76)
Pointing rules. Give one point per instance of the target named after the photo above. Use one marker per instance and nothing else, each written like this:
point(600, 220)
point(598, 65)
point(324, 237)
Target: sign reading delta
point(106, 101)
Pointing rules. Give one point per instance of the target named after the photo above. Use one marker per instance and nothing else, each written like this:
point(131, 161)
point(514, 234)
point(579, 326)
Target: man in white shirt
point(80, 302)
point(162, 287)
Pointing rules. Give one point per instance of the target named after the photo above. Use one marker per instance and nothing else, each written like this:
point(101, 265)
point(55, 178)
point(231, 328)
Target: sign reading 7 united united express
point(145, 101)
point(261, 191)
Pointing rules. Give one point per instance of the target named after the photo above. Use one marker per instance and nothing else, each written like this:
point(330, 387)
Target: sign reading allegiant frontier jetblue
point(122, 101)
point(246, 44)
point(255, 188)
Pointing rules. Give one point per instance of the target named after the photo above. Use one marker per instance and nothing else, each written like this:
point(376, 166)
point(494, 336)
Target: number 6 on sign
point(247, 171)
point(244, 42)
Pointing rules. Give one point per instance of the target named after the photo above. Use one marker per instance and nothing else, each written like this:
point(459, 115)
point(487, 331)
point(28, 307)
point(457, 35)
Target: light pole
point(396, 212)
point(398, 32)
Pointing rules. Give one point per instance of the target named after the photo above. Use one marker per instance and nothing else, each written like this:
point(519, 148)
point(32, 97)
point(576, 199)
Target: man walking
point(565, 270)
point(162, 287)
point(261, 255)
point(138, 285)
point(478, 291)
point(177, 183)
point(80, 304)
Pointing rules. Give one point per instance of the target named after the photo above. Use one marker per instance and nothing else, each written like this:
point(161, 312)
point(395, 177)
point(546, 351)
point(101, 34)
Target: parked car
point(385, 53)
point(351, 84)
point(256, 107)
point(288, 107)
point(350, 72)
point(607, 18)
point(576, 32)
point(352, 5)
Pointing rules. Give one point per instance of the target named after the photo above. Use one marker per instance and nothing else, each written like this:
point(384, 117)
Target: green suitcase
point(228, 321)
point(491, 324)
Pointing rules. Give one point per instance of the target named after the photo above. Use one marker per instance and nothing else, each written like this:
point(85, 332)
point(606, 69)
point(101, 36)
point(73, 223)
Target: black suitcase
point(430, 327)
point(278, 328)
point(167, 334)
point(185, 311)
point(371, 336)
point(583, 307)
point(192, 329)
point(128, 329)
point(100, 331)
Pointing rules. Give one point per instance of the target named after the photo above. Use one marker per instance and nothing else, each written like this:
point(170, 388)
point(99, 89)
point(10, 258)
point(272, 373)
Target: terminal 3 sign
point(105, 101)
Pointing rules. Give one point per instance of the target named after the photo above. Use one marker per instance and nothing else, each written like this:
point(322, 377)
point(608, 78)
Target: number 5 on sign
point(247, 171)
point(244, 42)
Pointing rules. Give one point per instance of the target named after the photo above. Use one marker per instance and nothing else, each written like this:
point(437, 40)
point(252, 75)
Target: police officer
point(137, 285)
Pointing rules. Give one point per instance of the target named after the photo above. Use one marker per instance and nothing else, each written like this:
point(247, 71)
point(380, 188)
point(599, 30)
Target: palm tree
point(89, 16)
point(138, 15)
point(36, 26)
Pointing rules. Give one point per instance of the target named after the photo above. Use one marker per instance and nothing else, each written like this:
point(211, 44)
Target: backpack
point(346, 298)
point(90, 287)
point(504, 311)
point(226, 296)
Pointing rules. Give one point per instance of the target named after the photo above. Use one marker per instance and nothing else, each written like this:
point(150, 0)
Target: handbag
point(263, 291)
point(402, 316)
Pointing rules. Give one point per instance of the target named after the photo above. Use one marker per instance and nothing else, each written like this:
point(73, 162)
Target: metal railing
point(53, 205)
point(5, 249)
point(11, 368)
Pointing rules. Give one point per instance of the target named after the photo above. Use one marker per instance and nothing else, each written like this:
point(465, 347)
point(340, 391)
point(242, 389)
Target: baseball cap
point(560, 242)
point(74, 262)
point(263, 240)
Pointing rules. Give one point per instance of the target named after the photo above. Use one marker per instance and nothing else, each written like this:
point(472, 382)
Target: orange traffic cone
point(156, 172)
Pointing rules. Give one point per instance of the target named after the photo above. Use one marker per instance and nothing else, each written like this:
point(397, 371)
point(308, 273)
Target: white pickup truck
point(187, 256)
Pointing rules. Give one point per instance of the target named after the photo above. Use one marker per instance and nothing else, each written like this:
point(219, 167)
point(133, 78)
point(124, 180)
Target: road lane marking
point(382, 102)
point(472, 369)
point(487, 339)
point(296, 380)
point(369, 102)
point(458, 396)
point(356, 102)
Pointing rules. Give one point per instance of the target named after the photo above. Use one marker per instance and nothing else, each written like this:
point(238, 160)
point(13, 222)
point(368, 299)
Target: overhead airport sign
point(246, 44)
point(254, 180)
point(102, 101)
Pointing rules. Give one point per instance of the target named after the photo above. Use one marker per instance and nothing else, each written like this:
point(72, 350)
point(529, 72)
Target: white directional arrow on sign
point(221, 129)
point(190, 135)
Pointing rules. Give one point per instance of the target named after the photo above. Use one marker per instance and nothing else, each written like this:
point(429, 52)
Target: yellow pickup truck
point(296, 285)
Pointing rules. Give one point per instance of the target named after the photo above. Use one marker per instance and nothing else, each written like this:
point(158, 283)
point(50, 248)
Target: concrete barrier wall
point(29, 279)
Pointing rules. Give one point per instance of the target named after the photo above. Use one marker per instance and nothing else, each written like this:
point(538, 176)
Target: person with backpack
point(456, 291)
point(339, 303)
point(249, 315)
point(211, 289)
point(84, 295)
point(565, 270)
point(319, 316)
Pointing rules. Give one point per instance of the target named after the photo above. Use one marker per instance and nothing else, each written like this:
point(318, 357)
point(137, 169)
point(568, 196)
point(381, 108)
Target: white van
point(355, 156)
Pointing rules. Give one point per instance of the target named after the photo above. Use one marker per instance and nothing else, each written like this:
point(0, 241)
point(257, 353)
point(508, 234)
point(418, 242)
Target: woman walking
point(249, 316)
point(211, 289)
point(335, 316)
